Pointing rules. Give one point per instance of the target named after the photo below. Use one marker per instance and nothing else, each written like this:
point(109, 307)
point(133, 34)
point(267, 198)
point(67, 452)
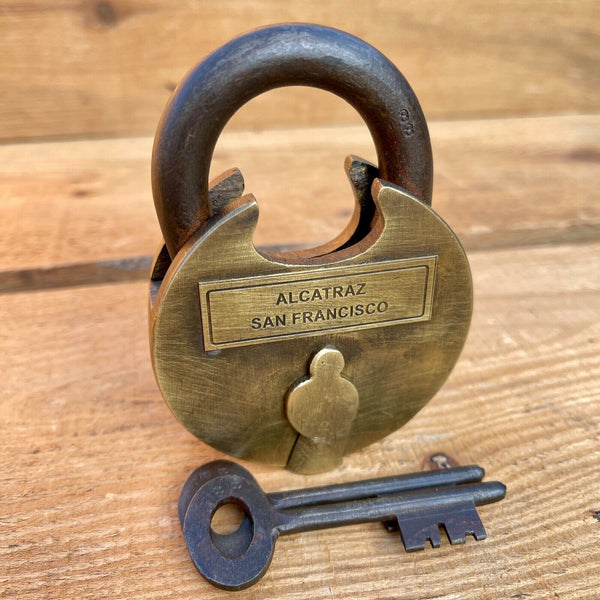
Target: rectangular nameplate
point(263, 308)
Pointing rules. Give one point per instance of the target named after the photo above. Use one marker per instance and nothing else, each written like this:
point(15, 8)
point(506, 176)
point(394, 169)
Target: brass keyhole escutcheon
point(321, 409)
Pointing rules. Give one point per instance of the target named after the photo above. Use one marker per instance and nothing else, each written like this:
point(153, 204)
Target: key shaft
point(367, 510)
point(381, 486)
point(339, 492)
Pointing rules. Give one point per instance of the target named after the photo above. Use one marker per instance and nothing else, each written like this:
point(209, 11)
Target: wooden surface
point(92, 461)
point(82, 212)
point(107, 67)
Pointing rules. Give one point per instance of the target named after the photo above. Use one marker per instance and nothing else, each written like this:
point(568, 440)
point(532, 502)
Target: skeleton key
point(340, 492)
point(240, 559)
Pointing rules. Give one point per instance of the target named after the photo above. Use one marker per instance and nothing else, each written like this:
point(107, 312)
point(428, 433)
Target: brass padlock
point(299, 358)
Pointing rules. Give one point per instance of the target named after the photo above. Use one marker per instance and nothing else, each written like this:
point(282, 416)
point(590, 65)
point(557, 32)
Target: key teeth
point(461, 523)
point(458, 522)
point(457, 531)
point(415, 535)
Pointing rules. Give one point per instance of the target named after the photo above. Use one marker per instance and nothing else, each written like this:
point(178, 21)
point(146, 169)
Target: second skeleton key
point(421, 504)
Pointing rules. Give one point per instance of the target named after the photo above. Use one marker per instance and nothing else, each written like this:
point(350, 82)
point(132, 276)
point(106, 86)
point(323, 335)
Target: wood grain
point(107, 67)
point(68, 209)
point(92, 461)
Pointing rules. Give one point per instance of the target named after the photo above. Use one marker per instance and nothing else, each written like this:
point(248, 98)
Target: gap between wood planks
point(503, 183)
point(135, 268)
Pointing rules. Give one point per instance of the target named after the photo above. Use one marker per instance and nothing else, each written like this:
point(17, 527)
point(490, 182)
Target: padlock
point(297, 359)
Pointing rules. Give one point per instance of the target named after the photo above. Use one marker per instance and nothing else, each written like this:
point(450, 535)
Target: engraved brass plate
point(251, 310)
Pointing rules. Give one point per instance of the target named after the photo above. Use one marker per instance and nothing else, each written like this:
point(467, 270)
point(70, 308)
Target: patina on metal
point(268, 58)
point(233, 330)
point(419, 503)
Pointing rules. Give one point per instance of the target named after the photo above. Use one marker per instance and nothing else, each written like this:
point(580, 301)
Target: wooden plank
point(101, 67)
point(68, 209)
point(92, 461)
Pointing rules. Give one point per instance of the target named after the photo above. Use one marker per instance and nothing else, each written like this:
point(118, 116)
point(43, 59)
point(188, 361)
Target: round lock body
point(298, 359)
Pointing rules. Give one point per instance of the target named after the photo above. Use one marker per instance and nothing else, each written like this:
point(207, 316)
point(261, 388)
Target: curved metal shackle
point(277, 56)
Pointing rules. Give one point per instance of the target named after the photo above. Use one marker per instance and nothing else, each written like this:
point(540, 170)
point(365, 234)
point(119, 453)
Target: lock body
point(297, 359)
point(232, 330)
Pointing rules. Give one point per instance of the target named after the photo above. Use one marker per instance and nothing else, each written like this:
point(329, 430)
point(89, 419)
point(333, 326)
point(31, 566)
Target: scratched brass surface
point(233, 398)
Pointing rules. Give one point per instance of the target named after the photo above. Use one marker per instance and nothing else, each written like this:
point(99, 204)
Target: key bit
point(419, 502)
point(457, 520)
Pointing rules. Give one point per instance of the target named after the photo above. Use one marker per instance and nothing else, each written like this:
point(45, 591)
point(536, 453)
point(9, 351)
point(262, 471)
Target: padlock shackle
point(264, 59)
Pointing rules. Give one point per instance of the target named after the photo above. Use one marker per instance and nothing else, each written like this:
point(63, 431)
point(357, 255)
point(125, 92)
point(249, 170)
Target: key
point(240, 559)
point(323, 494)
point(332, 493)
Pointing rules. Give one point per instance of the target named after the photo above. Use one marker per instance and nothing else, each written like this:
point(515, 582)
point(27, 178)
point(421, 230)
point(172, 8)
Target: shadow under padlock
point(299, 358)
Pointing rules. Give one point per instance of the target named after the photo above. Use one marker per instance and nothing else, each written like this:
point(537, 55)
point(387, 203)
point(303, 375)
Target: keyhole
point(296, 174)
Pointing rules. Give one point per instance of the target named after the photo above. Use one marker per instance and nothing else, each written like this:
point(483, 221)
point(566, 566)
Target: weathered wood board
point(107, 67)
point(82, 212)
